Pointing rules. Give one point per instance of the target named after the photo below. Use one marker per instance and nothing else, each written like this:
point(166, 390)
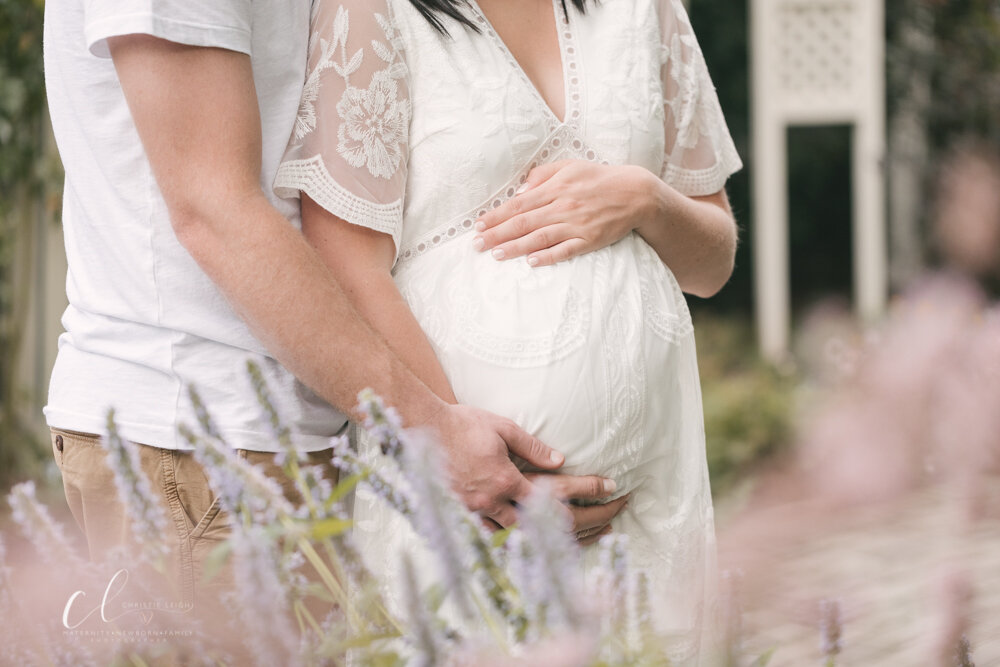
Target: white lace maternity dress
point(415, 134)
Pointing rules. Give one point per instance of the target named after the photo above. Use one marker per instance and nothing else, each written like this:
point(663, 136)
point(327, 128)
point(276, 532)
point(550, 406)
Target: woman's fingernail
point(533, 261)
point(497, 253)
point(478, 243)
point(480, 226)
point(556, 457)
point(521, 190)
point(610, 486)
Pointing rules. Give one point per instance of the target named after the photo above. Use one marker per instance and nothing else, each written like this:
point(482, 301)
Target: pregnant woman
point(511, 190)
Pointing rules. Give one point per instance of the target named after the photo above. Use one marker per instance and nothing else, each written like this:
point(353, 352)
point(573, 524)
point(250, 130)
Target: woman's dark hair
point(433, 9)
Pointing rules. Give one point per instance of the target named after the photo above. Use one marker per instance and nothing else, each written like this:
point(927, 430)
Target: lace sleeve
point(699, 155)
point(349, 148)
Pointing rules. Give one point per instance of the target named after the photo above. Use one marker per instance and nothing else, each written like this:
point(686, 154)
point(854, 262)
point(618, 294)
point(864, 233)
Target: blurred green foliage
point(25, 175)
point(22, 100)
point(748, 403)
point(966, 72)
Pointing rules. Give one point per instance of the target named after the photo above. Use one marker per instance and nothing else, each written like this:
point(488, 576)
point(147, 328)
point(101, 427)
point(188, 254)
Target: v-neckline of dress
point(570, 66)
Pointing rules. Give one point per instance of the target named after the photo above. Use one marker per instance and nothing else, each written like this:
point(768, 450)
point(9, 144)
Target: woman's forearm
point(380, 302)
point(695, 236)
point(572, 207)
point(361, 260)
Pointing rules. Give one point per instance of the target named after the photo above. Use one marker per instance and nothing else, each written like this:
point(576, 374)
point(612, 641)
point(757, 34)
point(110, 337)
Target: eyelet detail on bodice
point(563, 143)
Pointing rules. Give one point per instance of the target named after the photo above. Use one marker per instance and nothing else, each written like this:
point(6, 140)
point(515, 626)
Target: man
point(171, 117)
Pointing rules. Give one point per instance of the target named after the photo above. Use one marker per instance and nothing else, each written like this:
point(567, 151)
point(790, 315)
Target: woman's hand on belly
point(591, 521)
point(569, 208)
point(573, 207)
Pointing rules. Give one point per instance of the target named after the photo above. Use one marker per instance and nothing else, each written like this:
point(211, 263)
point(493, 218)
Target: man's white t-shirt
point(144, 322)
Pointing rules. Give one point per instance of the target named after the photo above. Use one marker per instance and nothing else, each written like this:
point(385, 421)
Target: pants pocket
point(193, 500)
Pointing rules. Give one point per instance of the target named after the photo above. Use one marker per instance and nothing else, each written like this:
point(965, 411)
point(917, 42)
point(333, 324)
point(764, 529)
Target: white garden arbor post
point(816, 62)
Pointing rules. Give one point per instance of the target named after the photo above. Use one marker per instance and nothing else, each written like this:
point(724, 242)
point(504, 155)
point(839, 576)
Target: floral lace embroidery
point(375, 120)
point(374, 126)
point(630, 95)
point(696, 113)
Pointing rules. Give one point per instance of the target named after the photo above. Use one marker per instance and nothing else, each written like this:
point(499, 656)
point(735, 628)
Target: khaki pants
point(195, 523)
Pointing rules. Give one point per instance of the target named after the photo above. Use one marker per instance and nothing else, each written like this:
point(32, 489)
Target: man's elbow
point(194, 227)
point(202, 223)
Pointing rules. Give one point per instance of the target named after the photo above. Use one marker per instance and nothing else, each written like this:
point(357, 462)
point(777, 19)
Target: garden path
point(888, 574)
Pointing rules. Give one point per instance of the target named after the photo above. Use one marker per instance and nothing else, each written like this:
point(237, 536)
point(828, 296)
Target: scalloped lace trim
point(313, 178)
point(703, 182)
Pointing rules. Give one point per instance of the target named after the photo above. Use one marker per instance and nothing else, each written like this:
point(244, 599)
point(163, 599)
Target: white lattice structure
point(816, 62)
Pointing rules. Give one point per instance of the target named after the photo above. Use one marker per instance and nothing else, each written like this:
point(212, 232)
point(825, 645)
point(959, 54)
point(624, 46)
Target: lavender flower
point(613, 567)
point(5, 600)
point(240, 486)
point(548, 563)
point(41, 529)
point(608, 585)
point(830, 629)
point(436, 514)
point(281, 432)
point(49, 540)
point(383, 424)
point(348, 462)
point(494, 577)
point(316, 490)
point(520, 564)
point(640, 619)
point(425, 637)
point(732, 621)
point(261, 598)
point(12, 649)
point(408, 478)
point(149, 523)
point(201, 414)
point(963, 653)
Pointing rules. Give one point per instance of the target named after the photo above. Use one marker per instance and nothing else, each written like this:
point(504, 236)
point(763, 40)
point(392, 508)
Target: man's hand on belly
point(479, 446)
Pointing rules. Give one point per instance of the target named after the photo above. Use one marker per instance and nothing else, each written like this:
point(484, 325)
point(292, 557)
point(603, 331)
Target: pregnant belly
point(586, 354)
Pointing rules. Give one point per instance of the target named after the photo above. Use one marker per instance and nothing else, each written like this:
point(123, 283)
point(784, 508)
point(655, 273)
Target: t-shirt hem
point(181, 32)
point(167, 437)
